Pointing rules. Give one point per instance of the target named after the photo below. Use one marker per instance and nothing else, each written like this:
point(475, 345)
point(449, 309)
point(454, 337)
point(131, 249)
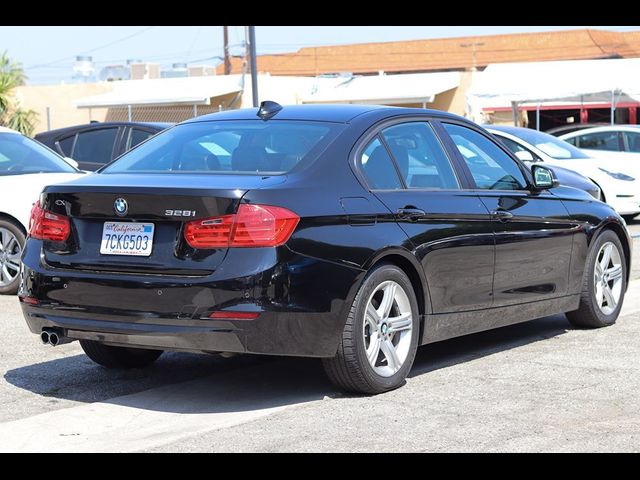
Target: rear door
point(534, 232)
point(406, 166)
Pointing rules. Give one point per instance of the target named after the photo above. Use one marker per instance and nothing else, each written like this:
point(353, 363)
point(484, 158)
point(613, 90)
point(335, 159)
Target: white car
point(607, 138)
point(618, 179)
point(26, 167)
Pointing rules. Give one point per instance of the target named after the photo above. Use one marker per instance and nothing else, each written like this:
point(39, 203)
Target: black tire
point(119, 357)
point(12, 287)
point(589, 314)
point(349, 369)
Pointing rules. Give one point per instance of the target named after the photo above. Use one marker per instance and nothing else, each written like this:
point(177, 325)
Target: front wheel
point(119, 357)
point(604, 284)
point(380, 337)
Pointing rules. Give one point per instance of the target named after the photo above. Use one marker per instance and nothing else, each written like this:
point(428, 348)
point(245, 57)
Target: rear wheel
point(604, 284)
point(380, 337)
point(119, 357)
point(11, 244)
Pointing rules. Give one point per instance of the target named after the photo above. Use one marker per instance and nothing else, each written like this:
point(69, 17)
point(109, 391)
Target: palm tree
point(11, 76)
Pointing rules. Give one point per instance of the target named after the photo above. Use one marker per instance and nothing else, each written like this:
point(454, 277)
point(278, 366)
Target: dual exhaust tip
point(54, 337)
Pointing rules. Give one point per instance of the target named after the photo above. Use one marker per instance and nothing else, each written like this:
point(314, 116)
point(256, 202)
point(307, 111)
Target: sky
point(47, 53)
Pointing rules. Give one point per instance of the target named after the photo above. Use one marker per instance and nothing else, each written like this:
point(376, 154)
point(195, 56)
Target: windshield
point(552, 146)
point(20, 155)
point(229, 147)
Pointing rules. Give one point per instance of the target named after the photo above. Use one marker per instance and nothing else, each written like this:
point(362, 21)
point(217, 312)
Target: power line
point(127, 37)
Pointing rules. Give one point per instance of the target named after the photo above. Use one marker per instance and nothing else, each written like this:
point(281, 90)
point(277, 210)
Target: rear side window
point(377, 167)
point(95, 146)
point(246, 147)
point(65, 146)
point(136, 137)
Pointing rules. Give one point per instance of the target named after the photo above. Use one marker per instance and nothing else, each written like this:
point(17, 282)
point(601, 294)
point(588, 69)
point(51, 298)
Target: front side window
point(420, 157)
point(378, 168)
point(244, 146)
point(598, 141)
point(632, 141)
point(490, 166)
point(95, 146)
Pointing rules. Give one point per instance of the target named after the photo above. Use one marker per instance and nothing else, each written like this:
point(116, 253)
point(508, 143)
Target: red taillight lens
point(252, 226)
point(46, 225)
point(226, 315)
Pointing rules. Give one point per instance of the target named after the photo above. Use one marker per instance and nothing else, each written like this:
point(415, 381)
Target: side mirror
point(525, 156)
point(543, 177)
point(71, 162)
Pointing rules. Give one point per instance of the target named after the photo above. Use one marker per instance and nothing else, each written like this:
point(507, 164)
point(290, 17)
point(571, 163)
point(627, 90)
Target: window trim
point(523, 169)
point(376, 130)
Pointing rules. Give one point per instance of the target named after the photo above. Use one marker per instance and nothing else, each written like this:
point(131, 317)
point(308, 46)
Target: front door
point(533, 231)
point(450, 229)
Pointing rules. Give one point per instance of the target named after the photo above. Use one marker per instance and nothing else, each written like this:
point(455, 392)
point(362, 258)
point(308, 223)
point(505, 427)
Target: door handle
point(410, 213)
point(502, 215)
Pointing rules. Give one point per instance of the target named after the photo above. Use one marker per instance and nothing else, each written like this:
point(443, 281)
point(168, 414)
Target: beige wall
point(59, 98)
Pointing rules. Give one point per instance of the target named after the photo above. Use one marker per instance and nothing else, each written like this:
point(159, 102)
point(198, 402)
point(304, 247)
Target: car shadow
point(190, 383)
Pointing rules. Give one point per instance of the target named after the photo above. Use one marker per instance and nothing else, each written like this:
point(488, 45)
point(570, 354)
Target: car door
point(407, 168)
point(533, 229)
point(95, 147)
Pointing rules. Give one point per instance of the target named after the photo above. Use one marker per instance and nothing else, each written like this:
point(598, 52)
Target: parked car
point(571, 127)
point(613, 138)
point(616, 179)
point(352, 233)
point(566, 177)
point(26, 167)
point(95, 144)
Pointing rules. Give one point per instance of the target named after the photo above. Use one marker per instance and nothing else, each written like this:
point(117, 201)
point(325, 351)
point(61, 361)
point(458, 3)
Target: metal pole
point(514, 112)
point(195, 110)
point(227, 58)
point(613, 107)
point(48, 118)
point(129, 113)
point(538, 117)
point(252, 61)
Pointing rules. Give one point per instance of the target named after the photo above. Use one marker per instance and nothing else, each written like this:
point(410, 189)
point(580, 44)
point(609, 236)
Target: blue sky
point(47, 53)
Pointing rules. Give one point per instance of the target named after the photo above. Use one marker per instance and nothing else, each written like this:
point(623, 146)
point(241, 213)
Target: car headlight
point(618, 175)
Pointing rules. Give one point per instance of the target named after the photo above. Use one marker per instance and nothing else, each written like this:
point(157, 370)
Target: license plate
point(127, 238)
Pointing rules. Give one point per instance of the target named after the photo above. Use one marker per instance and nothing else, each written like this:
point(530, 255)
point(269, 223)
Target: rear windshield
point(21, 155)
point(245, 147)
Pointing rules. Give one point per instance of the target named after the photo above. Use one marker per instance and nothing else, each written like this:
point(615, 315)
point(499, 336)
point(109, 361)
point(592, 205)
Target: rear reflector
point(46, 225)
point(29, 300)
point(225, 315)
point(251, 226)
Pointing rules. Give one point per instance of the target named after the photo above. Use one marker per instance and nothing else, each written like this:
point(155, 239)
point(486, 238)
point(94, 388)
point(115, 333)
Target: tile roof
point(449, 53)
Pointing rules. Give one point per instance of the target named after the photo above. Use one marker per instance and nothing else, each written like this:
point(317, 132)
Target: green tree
point(11, 115)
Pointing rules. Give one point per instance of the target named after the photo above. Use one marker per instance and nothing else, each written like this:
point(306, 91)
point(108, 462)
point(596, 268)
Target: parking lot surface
point(538, 386)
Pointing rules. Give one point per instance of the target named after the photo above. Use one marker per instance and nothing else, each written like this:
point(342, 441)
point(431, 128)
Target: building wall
point(59, 99)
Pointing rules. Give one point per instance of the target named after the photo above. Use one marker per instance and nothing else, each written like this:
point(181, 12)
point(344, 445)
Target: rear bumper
point(300, 302)
point(625, 205)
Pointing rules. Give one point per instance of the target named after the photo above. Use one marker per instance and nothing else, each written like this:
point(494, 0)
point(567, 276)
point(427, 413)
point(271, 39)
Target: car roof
point(338, 113)
point(8, 130)
point(506, 129)
point(607, 128)
point(74, 128)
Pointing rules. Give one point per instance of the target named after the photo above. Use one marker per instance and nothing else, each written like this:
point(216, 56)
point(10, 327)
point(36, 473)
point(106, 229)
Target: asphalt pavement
point(538, 386)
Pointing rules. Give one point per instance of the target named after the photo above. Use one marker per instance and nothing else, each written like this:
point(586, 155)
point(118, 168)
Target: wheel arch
point(620, 232)
point(15, 221)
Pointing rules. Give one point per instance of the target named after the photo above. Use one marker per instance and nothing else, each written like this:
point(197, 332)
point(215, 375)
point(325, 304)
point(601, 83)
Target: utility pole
point(227, 59)
point(254, 68)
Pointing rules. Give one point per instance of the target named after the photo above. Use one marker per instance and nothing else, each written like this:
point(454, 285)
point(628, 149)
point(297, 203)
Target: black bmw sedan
point(349, 233)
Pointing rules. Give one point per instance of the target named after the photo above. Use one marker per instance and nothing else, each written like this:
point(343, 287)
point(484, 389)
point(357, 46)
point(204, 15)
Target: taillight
point(251, 226)
point(46, 225)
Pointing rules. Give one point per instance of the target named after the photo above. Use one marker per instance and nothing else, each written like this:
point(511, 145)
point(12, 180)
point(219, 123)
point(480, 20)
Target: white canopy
point(185, 90)
point(385, 89)
point(499, 85)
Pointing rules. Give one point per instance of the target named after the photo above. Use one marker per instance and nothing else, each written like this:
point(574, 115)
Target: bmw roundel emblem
point(121, 207)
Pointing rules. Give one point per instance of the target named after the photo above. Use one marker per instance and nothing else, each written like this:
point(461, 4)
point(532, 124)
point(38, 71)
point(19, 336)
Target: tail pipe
point(54, 337)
